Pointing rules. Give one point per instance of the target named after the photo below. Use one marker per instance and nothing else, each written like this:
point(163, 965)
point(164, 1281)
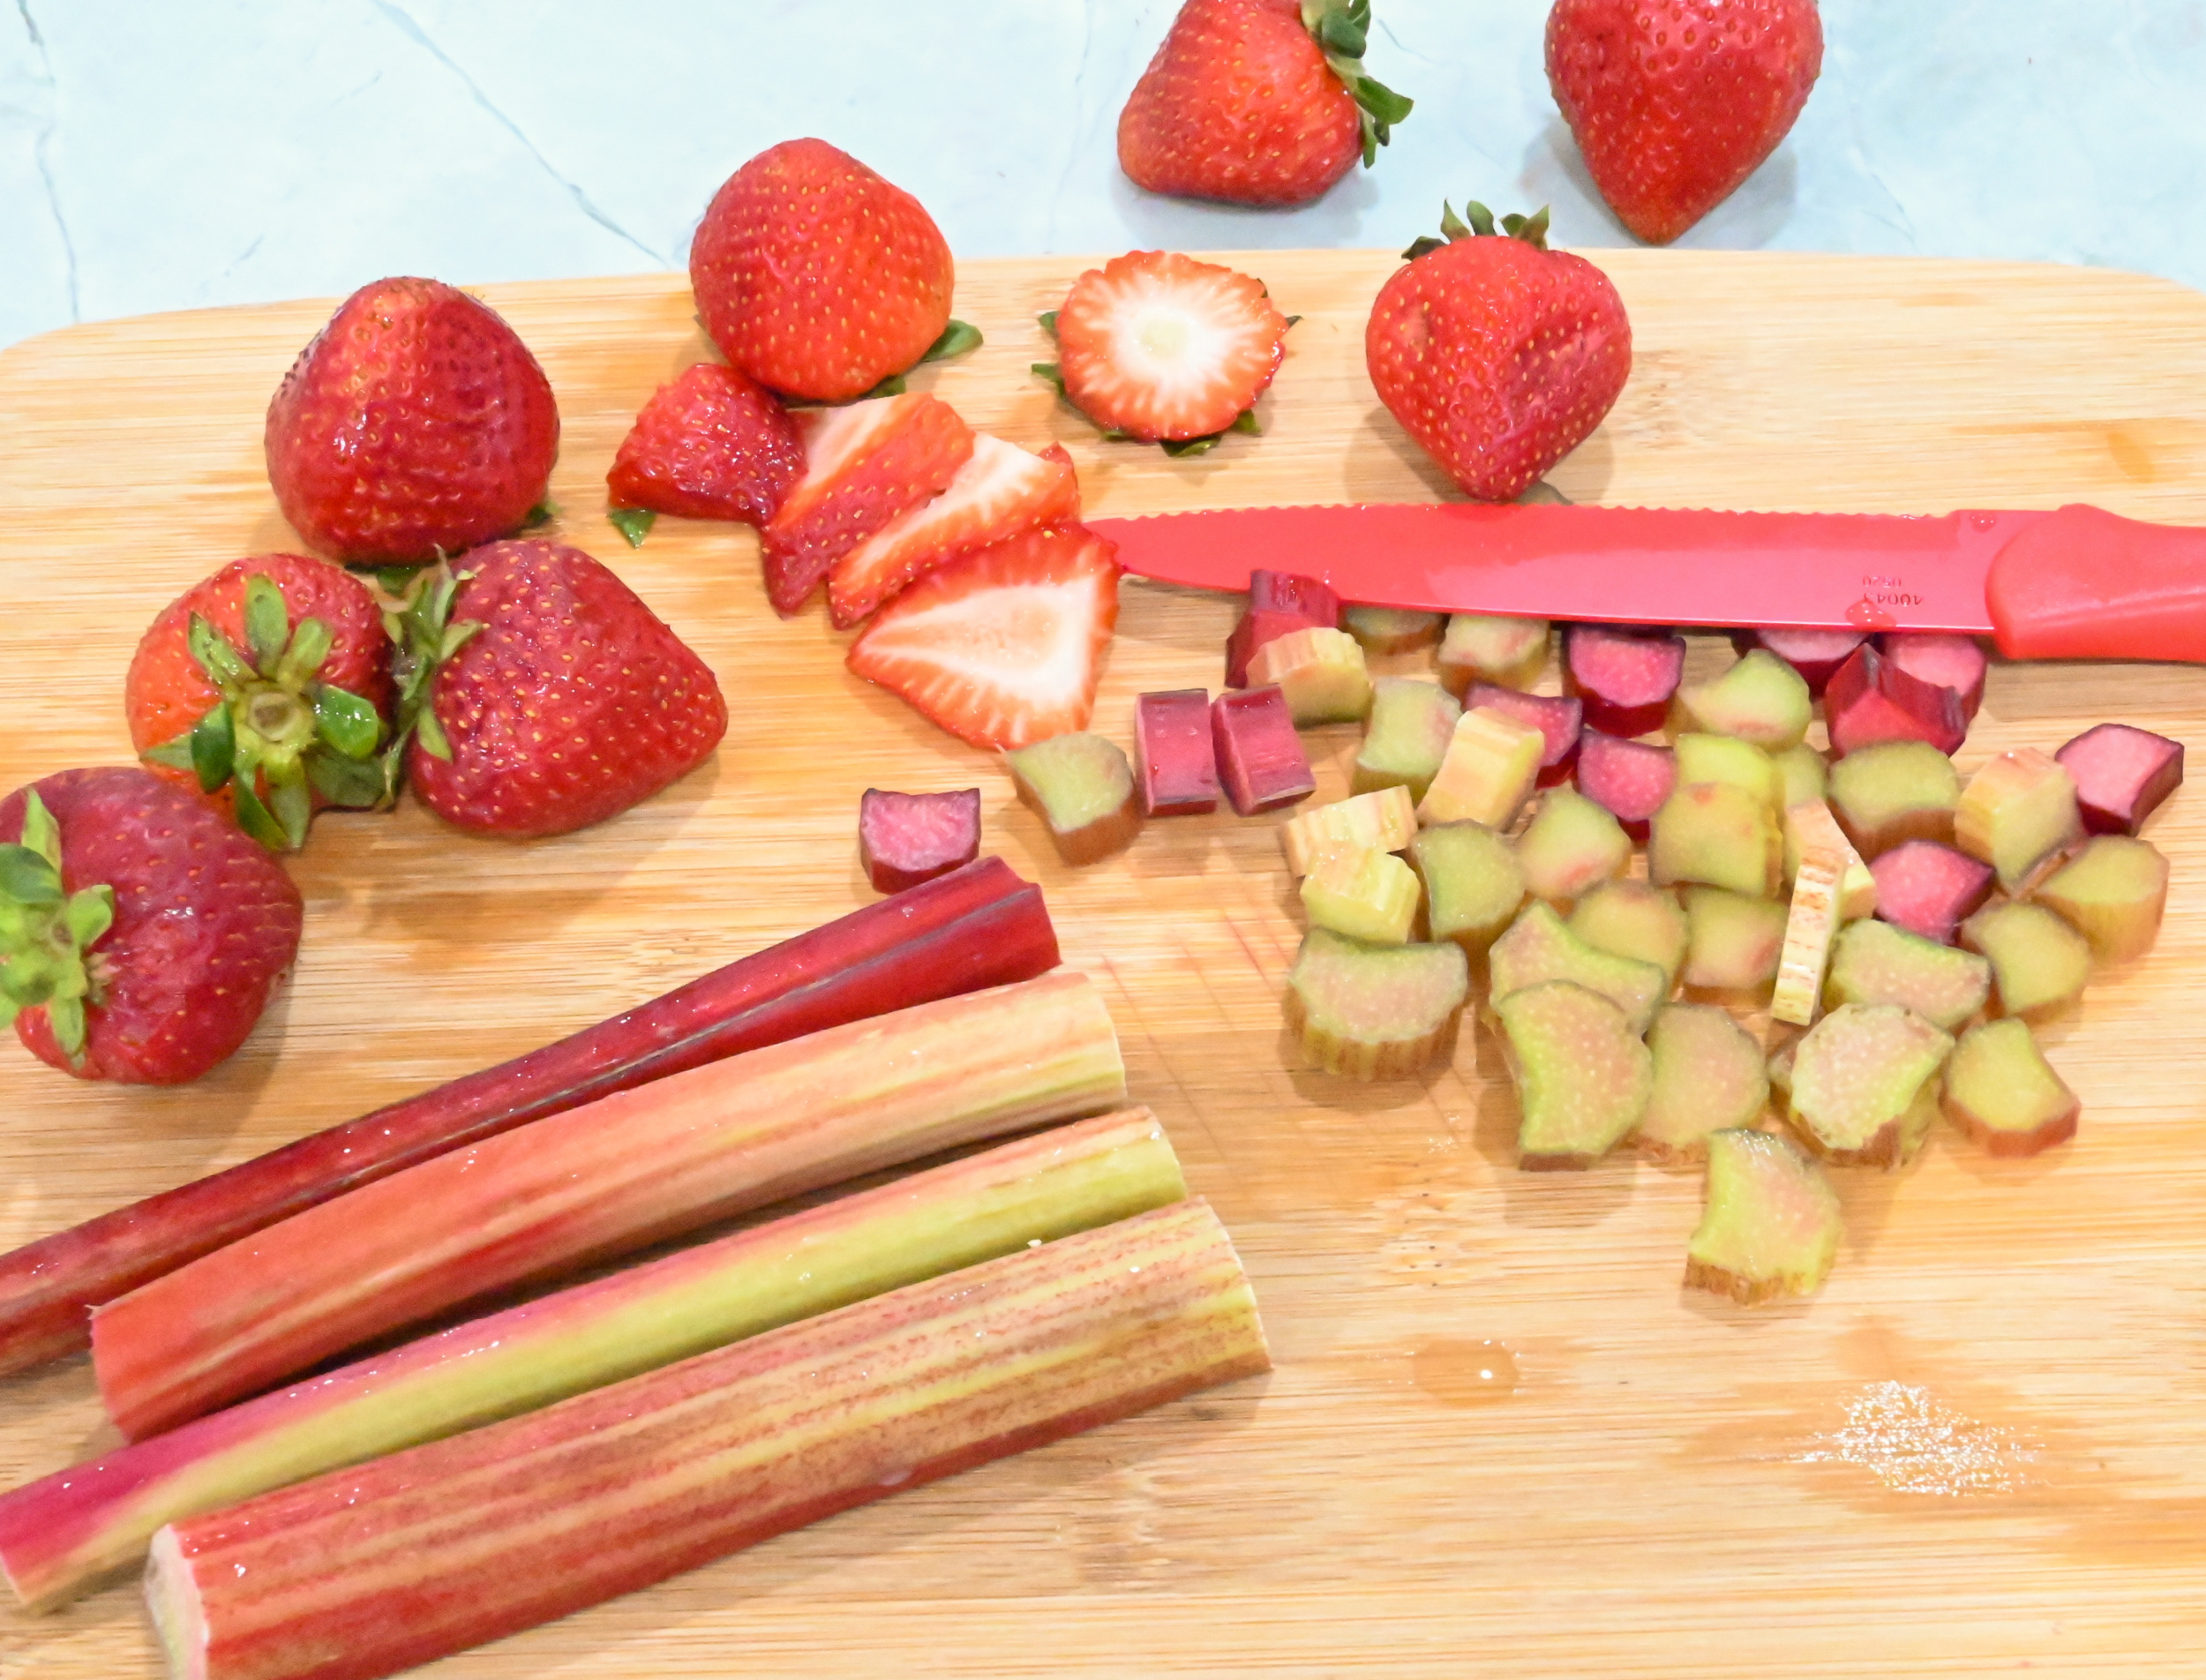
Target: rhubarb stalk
point(979, 927)
point(366, 1571)
point(628, 1170)
point(60, 1535)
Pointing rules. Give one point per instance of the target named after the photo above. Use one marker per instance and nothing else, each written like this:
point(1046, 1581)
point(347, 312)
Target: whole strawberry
point(1257, 101)
point(266, 687)
point(1674, 102)
point(139, 931)
point(545, 695)
point(415, 422)
point(1498, 355)
point(710, 444)
point(815, 277)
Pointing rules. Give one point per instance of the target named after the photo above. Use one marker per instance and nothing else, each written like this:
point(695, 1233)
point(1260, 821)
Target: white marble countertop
point(169, 157)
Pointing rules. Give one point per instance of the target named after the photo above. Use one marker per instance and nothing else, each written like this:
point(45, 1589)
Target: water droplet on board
point(1464, 1373)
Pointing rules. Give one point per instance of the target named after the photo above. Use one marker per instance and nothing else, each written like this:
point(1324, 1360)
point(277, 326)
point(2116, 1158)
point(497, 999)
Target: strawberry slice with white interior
point(1001, 490)
point(1163, 348)
point(864, 464)
point(1001, 646)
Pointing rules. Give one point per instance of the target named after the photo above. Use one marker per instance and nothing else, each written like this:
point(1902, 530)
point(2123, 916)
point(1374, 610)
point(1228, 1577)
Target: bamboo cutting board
point(1500, 1438)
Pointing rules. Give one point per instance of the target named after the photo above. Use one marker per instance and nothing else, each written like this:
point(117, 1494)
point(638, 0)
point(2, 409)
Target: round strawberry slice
point(710, 444)
point(141, 932)
point(1165, 349)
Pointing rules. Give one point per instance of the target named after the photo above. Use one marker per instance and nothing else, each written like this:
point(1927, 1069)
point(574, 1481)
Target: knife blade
point(2075, 581)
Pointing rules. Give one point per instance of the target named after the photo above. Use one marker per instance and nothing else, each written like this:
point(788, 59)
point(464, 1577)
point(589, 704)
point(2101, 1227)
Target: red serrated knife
point(2078, 582)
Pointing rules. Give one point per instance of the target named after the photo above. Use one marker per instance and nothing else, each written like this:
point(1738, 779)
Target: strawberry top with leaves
point(1676, 103)
point(1498, 356)
point(815, 277)
point(141, 932)
point(268, 685)
point(415, 422)
point(1257, 101)
point(544, 695)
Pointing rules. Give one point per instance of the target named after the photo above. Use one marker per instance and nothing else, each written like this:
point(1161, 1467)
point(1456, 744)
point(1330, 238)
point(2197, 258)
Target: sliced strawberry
point(863, 465)
point(1000, 647)
point(710, 444)
point(999, 491)
point(1163, 348)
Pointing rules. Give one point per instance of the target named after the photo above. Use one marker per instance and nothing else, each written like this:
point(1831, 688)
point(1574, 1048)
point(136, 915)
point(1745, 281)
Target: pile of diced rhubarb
point(1914, 922)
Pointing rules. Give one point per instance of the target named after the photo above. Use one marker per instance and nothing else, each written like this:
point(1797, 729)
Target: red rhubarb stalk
point(370, 1570)
point(981, 926)
point(59, 1535)
point(625, 1171)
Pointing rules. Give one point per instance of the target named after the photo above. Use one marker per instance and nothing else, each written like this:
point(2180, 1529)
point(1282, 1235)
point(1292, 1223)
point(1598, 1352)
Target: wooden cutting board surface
point(1980, 1449)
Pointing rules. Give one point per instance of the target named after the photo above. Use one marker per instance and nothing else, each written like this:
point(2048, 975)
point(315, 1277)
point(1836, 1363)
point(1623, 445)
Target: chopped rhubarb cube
point(1949, 662)
point(1625, 677)
point(1082, 786)
point(1384, 820)
point(1389, 630)
point(1375, 1011)
point(1260, 757)
point(1862, 1090)
point(1487, 774)
point(1508, 652)
point(2018, 814)
point(1560, 718)
point(1814, 653)
point(1279, 602)
point(1762, 699)
point(2121, 775)
point(1583, 1077)
point(1406, 736)
point(1870, 699)
point(1175, 765)
point(1927, 888)
point(2001, 1091)
point(2114, 890)
point(1322, 673)
point(1631, 778)
point(905, 838)
point(1771, 1224)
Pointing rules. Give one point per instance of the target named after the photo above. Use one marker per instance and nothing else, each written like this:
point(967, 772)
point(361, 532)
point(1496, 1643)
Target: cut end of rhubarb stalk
point(1279, 602)
point(1373, 1011)
point(906, 838)
point(1703, 757)
point(1583, 1076)
point(2114, 891)
point(1709, 1076)
point(1733, 943)
point(2039, 964)
point(1928, 888)
point(1082, 788)
point(1509, 652)
point(2121, 775)
point(1626, 678)
point(1392, 630)
point(1943, 661)
point(1814, 653)
point(1894, 792)
point(2018, 813)
point(1718, 834)
point(1871, 700)
point(1874, 962)
point(1812, 921)
point(1632, 919)
point(1863, 1089)
point(1492, 762)
point(1260, 758)
point(1410, 727)
point(2000, 1091)
point(1571, 846)
point(1762, 699)
point(1631, 778)
point(1802, 775)
point(1540, 947)
point(1175, 767)
point(1370, 896)
point(1322, 673)
point(1381, 822)
point(1770, 1226)
point(1560, 719)
point(1473, 883)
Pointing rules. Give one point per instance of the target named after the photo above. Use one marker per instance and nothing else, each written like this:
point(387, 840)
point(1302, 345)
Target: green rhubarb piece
point(1491, 762)
point(1708, 1075)
point(1873, 962)
point(1082, 786)
point(1732, 941)
point(1719, 835)
point(1473, 883)
point(1386, 820)
point(1375, 1011)
point(1631, 918)
point(1863, 1084)
point(1770, 1225)
point(2114, 890)
point(1801, 773)
point(1571, 846)
point(1809, 826)
point(1410, 727)
point(2039, 963)
point(1510, 652)
point(2001, 1091)
point(1320, 671)
point(1812, 922)
point(1540, 947)
point(2017, 813)
point(1582, 1075)
point(1892, 792)
point(1702, 757)
point(1389, 630)
point(1370, 896)
point(1762, 699)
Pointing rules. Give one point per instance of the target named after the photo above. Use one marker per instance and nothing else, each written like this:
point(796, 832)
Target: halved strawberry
point(1003, 646)
point(1001, 490)
point(1162, 348)
point(864, 464)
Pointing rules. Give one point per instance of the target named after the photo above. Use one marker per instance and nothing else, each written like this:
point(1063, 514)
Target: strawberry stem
point(1343, 31)
point(633, 524)
point(47, 933)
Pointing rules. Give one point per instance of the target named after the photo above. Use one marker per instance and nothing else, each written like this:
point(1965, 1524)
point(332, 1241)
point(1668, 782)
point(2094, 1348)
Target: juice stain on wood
point(1464, 1373)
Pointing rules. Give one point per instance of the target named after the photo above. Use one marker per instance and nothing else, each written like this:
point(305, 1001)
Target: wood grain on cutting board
point(1982, 1448)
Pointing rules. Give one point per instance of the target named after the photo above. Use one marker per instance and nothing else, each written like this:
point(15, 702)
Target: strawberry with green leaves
point(141, 932)
point(1498, 356)
point(1257, 101)
point(267, 687)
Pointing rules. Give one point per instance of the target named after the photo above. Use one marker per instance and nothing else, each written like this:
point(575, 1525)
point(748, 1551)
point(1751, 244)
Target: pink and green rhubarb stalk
point(62, 1535)
point(629, 1170)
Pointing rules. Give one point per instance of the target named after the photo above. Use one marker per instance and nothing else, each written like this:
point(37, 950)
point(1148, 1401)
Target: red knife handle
point(2083, 583)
